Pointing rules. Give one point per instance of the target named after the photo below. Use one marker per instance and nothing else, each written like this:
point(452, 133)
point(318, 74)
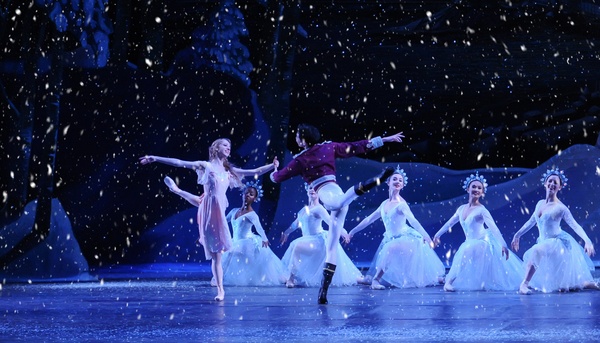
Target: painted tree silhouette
point(49, 28)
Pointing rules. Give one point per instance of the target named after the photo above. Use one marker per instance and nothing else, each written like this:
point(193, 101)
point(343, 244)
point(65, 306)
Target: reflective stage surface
point(156, 305)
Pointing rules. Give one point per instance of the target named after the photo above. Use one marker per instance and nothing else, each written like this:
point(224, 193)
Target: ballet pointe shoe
point(220, 294)
point(213, 282)
point(376, 285)
point(524, 289)
point(448, 287)
point(364, 280)
point(328, 272)
point(290, 283)
point(364, 187)
point(170, 183)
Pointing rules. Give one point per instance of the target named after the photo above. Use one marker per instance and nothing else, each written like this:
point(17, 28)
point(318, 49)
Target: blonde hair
point(212, 154)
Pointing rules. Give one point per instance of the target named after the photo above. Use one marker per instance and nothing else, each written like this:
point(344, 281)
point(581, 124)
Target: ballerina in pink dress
point(215, 175)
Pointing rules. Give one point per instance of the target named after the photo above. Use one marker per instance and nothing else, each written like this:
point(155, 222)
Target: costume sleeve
point(528, 225)
point(256, 222)
point(568, 217)
point(410, 217)
point(295, 225)
point(491, 224)
point(448, 224)
point(367, 221)
point(349, 149)
point(290, 170)
point(230, 215)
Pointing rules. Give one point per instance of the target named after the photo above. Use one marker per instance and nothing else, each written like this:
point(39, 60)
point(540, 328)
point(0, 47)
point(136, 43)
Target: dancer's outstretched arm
point(284, 235)
point(410, 217)
point(257, 171)
point(568, 217)
point(172, 162)
point(370, 219)
point(526, 227)
point(488, 220)
point(258, 226)
point(450, 223)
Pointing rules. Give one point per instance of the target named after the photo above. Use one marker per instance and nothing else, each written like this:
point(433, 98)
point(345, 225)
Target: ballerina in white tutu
point(305, 256)
point(250, 261)
point(483, 261)
point(556, 262)
point(405, 257)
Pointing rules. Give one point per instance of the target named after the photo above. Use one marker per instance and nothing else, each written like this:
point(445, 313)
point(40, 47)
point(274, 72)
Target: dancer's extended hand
point(515, 244)
point(283, 238)
point(147, 159)
point(589, 249)
point(396, 138)
point(347, 237)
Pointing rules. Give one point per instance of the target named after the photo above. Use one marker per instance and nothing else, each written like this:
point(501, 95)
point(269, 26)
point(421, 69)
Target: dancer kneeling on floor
point(556, 262)
point(478, 264)
point(405, 257)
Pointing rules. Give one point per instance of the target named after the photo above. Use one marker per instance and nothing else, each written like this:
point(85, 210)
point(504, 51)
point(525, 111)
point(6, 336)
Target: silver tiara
point(256, 185)
point(401, 172)
point(555, 171)
point(475, 177)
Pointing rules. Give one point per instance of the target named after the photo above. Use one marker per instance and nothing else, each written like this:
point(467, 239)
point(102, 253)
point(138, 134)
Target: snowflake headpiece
point(555, 171)
point(256, 185)
point(401, 172)
point(475, 177)
point(306, 186)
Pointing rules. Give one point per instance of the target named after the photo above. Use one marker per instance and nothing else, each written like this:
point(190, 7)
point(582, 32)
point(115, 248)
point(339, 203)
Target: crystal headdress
point(557, 172)
point(475, 177)
point(256, 185)
point(401, 172)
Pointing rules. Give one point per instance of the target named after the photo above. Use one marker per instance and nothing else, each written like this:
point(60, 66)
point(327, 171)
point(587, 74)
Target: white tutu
point(560, 262)
point(305, 258)
point(479, 265)
point(408, 262)
point(249, 264)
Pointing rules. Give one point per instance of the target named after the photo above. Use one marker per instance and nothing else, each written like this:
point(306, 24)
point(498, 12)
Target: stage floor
point(176, 305)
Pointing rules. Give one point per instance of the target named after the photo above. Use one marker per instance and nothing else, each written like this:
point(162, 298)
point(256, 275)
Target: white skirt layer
point(479, 265)
point(247, 263)
point(561, 264)
point(305, 258)
point(407, 262)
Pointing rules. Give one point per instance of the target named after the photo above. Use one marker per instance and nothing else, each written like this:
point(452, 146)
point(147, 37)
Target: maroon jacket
point(319, 160)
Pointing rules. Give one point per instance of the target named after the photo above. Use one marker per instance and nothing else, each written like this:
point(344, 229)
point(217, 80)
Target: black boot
point(366, 186)
point(328, 272)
